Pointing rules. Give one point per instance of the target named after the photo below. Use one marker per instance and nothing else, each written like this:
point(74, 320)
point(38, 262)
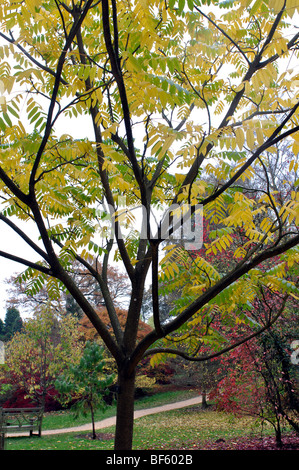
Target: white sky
point(8, 268)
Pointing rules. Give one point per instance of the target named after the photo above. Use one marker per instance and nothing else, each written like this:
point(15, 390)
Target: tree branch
point(272, 140)
point(210, 294)
point(76, 25)
point(100, 156)
point(89, 311)
point(30, 57)
point(243, 340)
point(104, 289)
point(224, 33)
point(13, 187)
point(273, 29)
point(30, 264)
point(114, 61)
point(26, 239)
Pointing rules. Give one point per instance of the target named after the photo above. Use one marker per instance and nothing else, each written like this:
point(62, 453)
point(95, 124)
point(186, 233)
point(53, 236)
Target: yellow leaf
point(277, 5)
point(168, 142)
point(295, 148)
point(31, 4)
point(259, 135)
point(250, 140)
point(3, 104)
point(156, 359)
point(240, 139)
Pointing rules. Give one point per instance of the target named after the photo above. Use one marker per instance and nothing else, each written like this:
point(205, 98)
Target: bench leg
point(2, 441)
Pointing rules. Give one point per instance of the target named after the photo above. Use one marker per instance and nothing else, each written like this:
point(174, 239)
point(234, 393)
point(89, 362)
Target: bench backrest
point(20, 416)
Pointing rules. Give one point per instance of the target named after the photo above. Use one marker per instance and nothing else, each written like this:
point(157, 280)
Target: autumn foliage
point(177, 102)
point(35, 356)
point(88, 331)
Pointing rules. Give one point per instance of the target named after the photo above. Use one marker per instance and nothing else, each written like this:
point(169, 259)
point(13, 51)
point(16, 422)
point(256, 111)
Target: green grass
point(169, 430)
point(65, 419)
point(180, 429)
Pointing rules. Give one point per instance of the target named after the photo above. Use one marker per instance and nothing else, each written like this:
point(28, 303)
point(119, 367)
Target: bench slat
point(16, 419)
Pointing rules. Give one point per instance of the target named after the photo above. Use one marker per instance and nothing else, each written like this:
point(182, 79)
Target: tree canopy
point(181, 102)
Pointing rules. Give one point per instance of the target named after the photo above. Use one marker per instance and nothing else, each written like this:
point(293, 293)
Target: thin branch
point(268, 192)
point(104, 289)
point(76, 25)
point(273, 29)
point(29, 56)
point(224, 33)
point(290, 44)
point(272, 140)
point(192, 173)
point(59, 165)
point(30, 264)
point(24, 237)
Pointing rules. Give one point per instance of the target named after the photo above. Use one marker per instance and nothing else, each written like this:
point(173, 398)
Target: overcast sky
point(11, 243)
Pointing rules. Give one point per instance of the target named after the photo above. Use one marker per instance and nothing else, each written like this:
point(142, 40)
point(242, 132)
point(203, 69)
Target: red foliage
point(88, 330)
point(18, 400)
point(238, 391)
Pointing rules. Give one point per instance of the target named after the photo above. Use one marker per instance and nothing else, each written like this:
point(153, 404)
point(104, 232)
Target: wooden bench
point(20, 419)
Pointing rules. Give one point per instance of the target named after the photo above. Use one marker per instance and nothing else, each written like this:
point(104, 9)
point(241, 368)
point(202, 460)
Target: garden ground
point(188, 428)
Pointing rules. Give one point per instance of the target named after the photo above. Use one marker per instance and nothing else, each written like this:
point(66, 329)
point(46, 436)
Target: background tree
point(262, 371)
point(86, 382)
point(88, 332)
point(46, 346)
point(12, 324)
point(29, 293)
point(166, 304)
point(164, 87)
point(1, 329)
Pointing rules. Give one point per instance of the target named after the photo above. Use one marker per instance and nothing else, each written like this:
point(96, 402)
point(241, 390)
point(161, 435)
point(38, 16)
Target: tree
point(262, 371)
point(2, 329)
point(167, 90)
point(12, 324)
point(86, 382)
point(46, 346)
point(89, 333)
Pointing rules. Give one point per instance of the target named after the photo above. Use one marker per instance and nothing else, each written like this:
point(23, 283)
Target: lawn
point(64, 419)
point(188, 428)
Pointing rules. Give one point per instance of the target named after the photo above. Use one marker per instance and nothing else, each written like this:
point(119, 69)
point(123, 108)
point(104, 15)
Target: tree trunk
point(93, 422)
point(278, 437)
point(204, 403)
point(125, 411)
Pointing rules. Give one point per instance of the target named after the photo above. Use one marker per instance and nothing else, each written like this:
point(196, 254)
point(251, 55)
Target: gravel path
point(105, 423)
